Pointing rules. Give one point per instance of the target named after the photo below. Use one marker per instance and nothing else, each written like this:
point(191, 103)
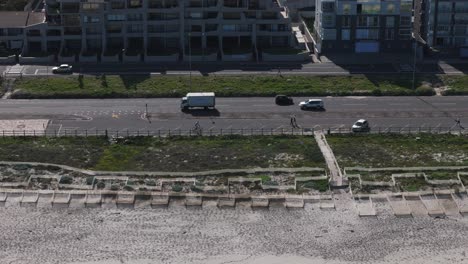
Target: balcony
point(163, 4)
point(70, 8)
point(33, 33)
point(232, 16)
point(233, 4)
point(72, 31)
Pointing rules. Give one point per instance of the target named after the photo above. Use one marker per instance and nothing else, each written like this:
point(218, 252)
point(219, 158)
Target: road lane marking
point(444, 103)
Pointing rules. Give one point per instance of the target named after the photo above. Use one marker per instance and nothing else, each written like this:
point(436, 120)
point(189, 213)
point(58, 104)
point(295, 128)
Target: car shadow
point(314, 109)
point(202, 112)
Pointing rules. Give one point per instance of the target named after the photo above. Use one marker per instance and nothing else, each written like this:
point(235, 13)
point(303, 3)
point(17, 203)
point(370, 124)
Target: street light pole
point(414, 61)
point(190, 60)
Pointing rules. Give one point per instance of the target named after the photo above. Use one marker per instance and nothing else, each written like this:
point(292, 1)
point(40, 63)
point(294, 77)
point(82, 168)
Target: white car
point(361, 126)
point(315, 104)
point(64, 68)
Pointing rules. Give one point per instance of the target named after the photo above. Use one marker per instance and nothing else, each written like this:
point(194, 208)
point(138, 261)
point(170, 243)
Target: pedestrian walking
point(295, 122)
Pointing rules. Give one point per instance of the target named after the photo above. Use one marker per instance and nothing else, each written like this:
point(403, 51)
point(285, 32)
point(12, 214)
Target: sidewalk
point(335, 173)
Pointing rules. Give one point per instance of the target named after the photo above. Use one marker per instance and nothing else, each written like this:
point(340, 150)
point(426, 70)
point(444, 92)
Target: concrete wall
point(111, 58)
point(198, 58)
point(8, 60)
point(33, 60)
point(305, 56)
point(66, 59)
point(128, 58)
point(167, 58)
point(237, 57)
point(88, 58)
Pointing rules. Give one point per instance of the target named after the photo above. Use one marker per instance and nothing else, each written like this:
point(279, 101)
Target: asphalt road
point(239, 113)
point(328, 68)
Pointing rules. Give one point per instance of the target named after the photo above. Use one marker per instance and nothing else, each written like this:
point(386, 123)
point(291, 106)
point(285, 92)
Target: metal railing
point(198, 131)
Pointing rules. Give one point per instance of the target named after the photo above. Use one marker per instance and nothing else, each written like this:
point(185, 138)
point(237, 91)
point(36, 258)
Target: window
point(135, 17)
point(328, 6)
point(90, 19)
point(117, 5)
point(460, 42)
point(367, 34)
point(229, 28)
point(368, 21)
point(115, 17)
point(196, 15)
point(405, 21)
point(345, 34)
point(405, 34)
point(406, 7)
point(346, 21)
point(134, 3)
point(346, 9)
point(390, 21)
point(370, 9)
point(389, 34)
point(90, 6)
point(134, 28)
point(328, 20)
point(362, 21)
point(390, 9)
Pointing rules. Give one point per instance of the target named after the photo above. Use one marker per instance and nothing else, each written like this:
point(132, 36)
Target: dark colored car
point(283, 100)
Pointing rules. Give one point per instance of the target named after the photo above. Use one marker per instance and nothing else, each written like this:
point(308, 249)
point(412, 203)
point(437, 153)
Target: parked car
point(312, 104)
point(64, 68)
point(282, 99)
point(361, 126)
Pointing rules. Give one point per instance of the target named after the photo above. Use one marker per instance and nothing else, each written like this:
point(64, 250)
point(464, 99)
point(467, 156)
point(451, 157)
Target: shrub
point(151, 182)
point(89, 180)
point(66, 180)
point(128, 188)
point(196, 189)
point(101, 185)
point(177, 188)
point(425, 91)
point(115, 187)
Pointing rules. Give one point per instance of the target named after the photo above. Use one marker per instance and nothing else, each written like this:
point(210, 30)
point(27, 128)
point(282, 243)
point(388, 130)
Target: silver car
point(64, 68)
point(361, 126)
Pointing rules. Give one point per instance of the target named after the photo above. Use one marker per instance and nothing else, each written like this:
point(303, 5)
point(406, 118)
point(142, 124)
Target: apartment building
point(13, 25)
point(445, 24)
point(363, 26)
point(158, 27)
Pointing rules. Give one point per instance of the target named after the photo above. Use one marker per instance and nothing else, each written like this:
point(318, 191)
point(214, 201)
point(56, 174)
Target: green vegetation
point(458, 85)
point(374, 150)
point(177, 86)
point(177, 188)
point(168, 154)
point(442, 175)
point(411, 184)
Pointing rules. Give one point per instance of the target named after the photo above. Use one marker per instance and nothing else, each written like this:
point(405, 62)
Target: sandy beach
point(210, 235)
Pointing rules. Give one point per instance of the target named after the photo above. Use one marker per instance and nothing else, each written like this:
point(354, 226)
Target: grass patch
point(173, 154)
point(442, 175)
point(411, 184)
point(399, 150)
point(177, 86)
point(458, 85)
